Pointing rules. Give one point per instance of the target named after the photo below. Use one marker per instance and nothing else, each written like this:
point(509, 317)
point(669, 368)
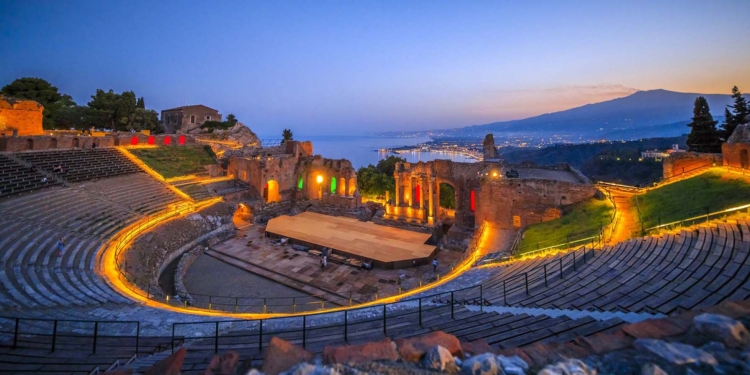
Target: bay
point(364, 150)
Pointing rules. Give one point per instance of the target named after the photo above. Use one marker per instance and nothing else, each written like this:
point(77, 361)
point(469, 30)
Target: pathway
point(627, 223)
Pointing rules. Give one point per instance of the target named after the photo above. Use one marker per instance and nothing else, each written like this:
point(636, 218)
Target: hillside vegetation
point(580, 220)
point(176, 161)
point(711, 191)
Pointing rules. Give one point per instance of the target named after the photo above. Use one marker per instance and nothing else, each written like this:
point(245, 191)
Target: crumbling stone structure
point(484, 193)
point(290, 172)
point(735, 150)
point(187, 118)
point(20, 117)
point(53, 140)
point(680, 163)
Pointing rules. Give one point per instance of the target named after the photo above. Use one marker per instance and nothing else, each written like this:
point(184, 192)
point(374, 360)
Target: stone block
point(171, 365)
point(605, 342)
point(372, 351)
point(438, 358)
point(223, 365)
point(653, 329)
point(675, 353)
point(282, 355)
point(476, 347)
point(721, 328)
point(483, 364)
point(567, 367)
point(412, 349)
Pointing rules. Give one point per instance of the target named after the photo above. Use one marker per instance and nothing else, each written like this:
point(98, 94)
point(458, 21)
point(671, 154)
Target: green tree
point(121, 111)
point(388, 165)
point(287, 135)
point(703, 136)
point(41, 91)
point(141, 103)
point(231, 119)
point(737, 116)
point(447, 196)
point(71, 117)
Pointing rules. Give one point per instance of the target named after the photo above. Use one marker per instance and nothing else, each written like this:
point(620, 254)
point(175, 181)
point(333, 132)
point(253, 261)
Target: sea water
point(364, 150)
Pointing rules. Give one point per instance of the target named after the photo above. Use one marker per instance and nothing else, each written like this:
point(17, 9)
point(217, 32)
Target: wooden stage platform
point(388, 247)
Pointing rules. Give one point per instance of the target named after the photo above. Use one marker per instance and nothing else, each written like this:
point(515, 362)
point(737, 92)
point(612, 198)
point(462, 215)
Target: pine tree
point(703, 137)
point(141, 103)
point(287, 134)
point(737, 116)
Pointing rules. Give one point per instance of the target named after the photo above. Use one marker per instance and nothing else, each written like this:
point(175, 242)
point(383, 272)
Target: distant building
point(659, 155)
point(187, 118)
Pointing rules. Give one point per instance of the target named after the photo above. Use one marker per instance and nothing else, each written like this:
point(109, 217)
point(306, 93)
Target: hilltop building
point(187, 118)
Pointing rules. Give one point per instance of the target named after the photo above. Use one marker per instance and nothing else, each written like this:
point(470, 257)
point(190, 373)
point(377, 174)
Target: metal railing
point(343, 322)
point(694, 216)
point(50, 333)
point(546, 272)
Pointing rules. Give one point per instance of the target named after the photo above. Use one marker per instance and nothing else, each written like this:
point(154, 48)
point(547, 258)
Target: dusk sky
point(357, 66)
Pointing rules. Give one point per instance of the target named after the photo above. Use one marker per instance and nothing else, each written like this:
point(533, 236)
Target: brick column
point(411, 192)
point(398, 189)
point(421, 192)
point(431, 214)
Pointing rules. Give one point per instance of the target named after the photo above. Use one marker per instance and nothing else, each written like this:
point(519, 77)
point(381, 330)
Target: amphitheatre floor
point(300, 267)
point(207, 275)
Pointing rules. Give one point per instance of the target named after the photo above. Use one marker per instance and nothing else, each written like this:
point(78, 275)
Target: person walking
point(434, 265)
point(325, 261)
point(60, 246)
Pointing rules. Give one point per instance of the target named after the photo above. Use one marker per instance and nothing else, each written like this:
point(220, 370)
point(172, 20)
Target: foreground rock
point(282, 355)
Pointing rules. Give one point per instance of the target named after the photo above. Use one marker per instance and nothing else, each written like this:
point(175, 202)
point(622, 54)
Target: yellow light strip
point(216, 179)
point(153, 173)
point(108, 268)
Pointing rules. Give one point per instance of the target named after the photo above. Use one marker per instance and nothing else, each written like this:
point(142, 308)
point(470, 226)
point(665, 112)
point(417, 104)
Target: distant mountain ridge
point(642, 109)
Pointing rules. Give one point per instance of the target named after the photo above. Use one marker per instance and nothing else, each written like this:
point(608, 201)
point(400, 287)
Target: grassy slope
point(582, 218)
point(689, 198)
point(175, 161)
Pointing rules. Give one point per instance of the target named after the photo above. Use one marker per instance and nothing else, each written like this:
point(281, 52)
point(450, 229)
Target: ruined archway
point(342, 186)
point(29, 144)
point(744, 159)
point(333, 185)
point(447, 196)
point(352, 186)
point(271, 191)
point(53, 143)
point(75, 142)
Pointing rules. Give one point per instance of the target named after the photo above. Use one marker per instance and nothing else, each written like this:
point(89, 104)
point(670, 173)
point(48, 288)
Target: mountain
point(642, 109)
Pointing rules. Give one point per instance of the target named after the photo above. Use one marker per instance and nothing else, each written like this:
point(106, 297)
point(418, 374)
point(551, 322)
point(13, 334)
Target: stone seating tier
point(33, 275)
point(665, 274)
point(16, 178)
point(80, 165)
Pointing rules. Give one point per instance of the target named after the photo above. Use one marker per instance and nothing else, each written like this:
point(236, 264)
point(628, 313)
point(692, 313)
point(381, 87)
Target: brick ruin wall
point(515, 203)
point(735, 155)
point(63, 141)
point(296, 164)
point(20, 117)
point(685, 162)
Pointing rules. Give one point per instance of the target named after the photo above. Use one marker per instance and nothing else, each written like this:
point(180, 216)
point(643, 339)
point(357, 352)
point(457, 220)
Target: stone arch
point(271, 191)
point(352, 185)
point(3, 144)
point(448, 195)
point(75, 143)
point(29, 144)
point(333, 185)
point(342, 186)
point(744, 162)
point(53, 143)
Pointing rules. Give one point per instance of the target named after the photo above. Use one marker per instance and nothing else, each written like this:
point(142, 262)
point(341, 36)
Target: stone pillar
point(431, 207)
point(411, 192)
point(398, 190)
point(421, 192)
point(387, 196)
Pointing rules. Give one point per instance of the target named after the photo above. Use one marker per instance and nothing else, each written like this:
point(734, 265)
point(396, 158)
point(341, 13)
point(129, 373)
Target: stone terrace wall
point(153, 251)
point(678, 163)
